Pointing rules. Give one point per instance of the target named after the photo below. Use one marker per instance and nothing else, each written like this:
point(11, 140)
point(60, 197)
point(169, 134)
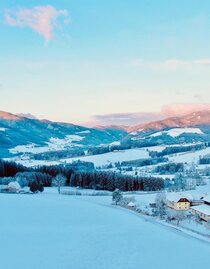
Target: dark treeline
point(204, 160)
point(127, 145)
point(77, 174)
point(60, 154)
point(144, 162)
point(101, 180)
point(28, 178)
point(169, 168)
point(178, 149)
point(10, 169)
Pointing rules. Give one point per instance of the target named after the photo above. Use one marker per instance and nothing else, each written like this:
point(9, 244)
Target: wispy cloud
point(42, 19)
point(123, 119)
point(171, 64)
point(180, 109)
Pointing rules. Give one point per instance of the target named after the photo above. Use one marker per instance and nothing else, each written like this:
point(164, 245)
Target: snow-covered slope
point(190, 120)
point(98, 160)
point(175, 132)
point(59, 232)
point(189, 128)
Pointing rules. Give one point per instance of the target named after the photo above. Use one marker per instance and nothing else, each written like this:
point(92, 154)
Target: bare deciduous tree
point(59, 181)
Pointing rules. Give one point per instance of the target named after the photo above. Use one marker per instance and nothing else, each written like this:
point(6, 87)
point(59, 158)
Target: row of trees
point(59, 154)
point(205, 160)
point(143, 162)
point(26, 178)
point(10, 169)
point(127, 144)
point(78, 174)
point(178, 149)
point(169, 168)
point(110, 181)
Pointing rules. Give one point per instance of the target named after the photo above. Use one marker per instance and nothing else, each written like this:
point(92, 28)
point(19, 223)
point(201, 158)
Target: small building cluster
point(202, 210)
point(180, 202)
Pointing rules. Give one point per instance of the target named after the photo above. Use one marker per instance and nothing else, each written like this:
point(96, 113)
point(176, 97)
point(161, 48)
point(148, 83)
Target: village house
point(178, 202)
point(203, 210)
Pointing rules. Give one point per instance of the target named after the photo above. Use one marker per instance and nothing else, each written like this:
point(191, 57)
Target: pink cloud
point(41, 19)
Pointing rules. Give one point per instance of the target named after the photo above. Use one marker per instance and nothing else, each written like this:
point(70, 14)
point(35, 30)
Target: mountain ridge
point(189, 120)
point(17, 131)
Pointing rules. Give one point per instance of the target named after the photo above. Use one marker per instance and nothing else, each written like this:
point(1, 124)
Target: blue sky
point(90, 57)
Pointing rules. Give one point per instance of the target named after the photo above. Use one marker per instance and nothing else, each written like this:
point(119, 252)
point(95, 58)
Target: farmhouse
point(206, 200)
point(203, 211)
point(178, 202)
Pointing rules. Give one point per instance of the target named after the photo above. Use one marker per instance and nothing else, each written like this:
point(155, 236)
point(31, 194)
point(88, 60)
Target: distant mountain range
point(132, 119)
point(188, 128)
point(189, 120)
point(16, 130)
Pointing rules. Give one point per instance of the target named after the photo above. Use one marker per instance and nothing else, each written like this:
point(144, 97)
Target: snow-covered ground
point(52, 145)
point(175, 132)
point(189, 157)
point(50, 231)
point(98, 160)
point(101, 159)
point(115, 156)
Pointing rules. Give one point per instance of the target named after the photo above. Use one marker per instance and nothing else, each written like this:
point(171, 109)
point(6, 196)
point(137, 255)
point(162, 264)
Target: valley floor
point(50, 231)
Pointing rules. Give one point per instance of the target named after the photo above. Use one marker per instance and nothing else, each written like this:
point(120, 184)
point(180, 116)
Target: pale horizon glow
point(69, 61)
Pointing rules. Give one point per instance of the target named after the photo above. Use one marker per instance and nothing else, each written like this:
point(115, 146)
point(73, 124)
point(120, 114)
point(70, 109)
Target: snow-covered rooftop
point(205, 209)
point(175, 197)
point(131, 204)
point(206, 198)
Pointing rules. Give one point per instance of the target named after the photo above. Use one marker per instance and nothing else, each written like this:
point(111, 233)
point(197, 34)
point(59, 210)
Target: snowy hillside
point(55, 232)
point(189, 128)
point(175, 132)
point(98, 160)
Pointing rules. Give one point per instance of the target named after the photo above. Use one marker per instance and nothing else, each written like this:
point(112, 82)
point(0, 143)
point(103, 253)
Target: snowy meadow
point(59, 231)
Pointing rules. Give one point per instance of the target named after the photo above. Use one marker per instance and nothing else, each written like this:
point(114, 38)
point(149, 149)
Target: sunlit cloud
point(44, 20)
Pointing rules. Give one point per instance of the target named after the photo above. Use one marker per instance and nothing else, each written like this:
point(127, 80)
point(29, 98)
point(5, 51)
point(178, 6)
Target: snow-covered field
point(189, 157)
point(175, 132)
point(52, 145)
point(115, 156)
point(98, 160)
point(101, 159)
point(50, 231)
